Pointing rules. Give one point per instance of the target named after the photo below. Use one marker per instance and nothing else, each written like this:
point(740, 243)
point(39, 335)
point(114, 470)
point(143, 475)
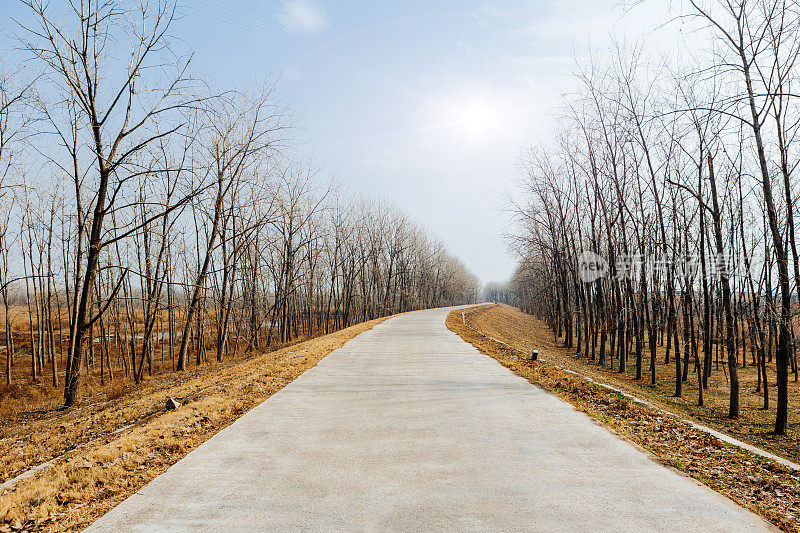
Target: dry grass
point(105, 451)
point(754, 424)
point(25, 395)
point(765, 487)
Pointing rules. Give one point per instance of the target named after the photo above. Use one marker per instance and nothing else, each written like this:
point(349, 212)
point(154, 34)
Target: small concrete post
point(534, 355)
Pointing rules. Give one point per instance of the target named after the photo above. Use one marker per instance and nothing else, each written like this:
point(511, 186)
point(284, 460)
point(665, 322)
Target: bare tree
point(77, 51)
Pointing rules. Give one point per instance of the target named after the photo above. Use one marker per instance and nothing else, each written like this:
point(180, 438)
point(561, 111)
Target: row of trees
point(681, 179)
point(144, 215)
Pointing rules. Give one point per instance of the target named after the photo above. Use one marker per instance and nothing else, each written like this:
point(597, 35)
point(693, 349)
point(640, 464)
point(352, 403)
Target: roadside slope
point(125, 443)
point(765, 487)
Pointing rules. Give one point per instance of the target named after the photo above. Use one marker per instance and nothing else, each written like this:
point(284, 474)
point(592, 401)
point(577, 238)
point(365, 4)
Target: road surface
point(407, 427)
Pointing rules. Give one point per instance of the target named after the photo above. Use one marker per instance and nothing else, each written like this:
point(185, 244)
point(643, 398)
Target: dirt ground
point(765, 487)
point(105, 450)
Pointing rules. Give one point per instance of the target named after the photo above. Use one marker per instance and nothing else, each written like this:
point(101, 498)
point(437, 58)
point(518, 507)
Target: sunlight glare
point(474, 118)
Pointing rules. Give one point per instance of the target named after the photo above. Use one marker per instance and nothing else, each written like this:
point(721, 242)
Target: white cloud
point(302, 16)
point(489, 12)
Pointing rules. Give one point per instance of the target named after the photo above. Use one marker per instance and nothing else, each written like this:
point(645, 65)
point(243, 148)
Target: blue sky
point(425, 105)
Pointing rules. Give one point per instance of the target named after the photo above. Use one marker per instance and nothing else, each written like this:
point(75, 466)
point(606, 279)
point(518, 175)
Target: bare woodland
point(676, 162)
point(150, 221)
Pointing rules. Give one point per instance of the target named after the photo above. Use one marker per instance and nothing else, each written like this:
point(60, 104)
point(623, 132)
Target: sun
point(475, 118)
point(472, 117)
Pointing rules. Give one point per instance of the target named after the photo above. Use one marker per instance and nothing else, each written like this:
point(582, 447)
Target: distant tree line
point(681, 182)
point(496, 292)
point(148, 218)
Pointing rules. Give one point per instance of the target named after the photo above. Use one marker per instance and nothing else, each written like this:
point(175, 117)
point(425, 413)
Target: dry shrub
point(116, 390)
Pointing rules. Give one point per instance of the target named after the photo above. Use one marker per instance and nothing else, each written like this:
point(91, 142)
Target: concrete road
point(407, 427)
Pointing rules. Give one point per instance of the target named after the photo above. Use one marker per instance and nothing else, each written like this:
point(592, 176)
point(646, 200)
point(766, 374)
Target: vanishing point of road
point(407, 427)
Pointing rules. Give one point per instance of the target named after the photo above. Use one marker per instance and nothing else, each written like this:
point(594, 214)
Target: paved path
point(407, 427)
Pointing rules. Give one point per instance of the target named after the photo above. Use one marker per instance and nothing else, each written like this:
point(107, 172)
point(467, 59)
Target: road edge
point(549, 377)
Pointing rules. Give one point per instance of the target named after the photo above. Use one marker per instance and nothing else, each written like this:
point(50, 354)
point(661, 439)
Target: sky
point(426, 105)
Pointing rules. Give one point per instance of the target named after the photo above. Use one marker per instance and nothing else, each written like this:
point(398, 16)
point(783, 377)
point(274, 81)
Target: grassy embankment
point(114, 443)
point(763, 486)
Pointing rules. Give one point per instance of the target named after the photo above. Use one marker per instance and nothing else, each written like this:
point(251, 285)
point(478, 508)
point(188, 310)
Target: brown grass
point(105, 451)
point(754, 424)
point(765, 487)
